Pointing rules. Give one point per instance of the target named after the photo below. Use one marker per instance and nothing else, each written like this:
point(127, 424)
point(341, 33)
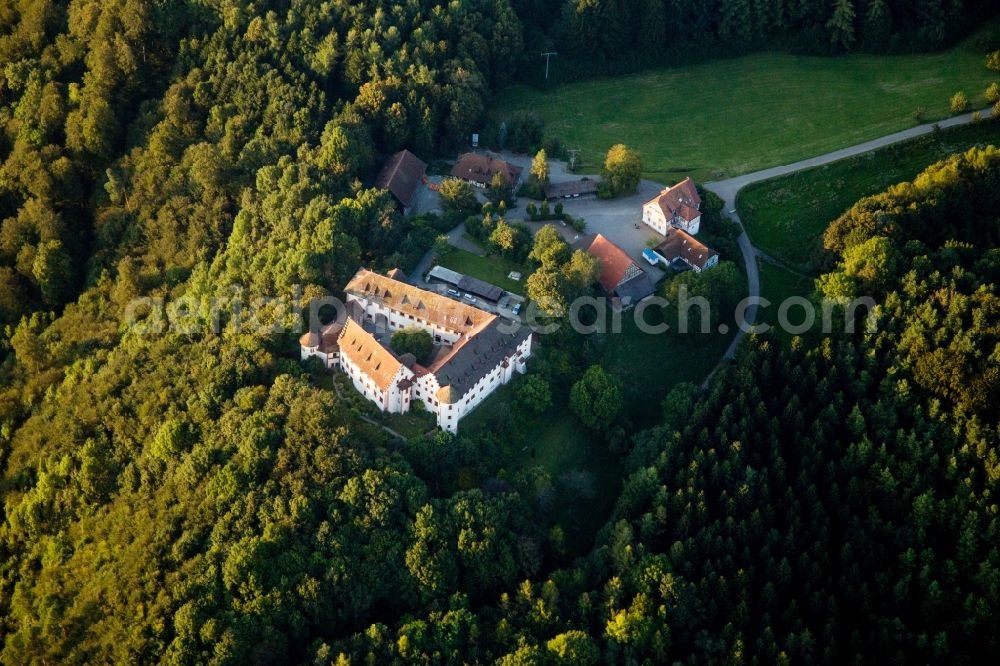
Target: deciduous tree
point(596, 399)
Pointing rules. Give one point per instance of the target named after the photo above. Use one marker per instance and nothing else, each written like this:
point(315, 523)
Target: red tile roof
point(481, 168)
point(616, 265)
point(681, 244)
point(675, 199)
point(402, 175)
point(688, 213)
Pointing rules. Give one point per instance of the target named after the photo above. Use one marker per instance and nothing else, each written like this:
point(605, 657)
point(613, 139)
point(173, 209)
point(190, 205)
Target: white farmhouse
point(475, 352)
point(678, 206)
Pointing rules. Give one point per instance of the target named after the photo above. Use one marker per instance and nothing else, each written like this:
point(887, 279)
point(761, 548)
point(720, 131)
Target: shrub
point(977, 117)
point(532, 210)
point(992, 93)
point(596, 398)
point(530, 189)
point(959, 102)
point(993, 61)
point(559, 208)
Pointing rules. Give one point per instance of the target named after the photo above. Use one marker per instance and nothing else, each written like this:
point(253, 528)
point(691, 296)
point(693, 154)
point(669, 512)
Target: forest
point(609, 36)
point(198, 496)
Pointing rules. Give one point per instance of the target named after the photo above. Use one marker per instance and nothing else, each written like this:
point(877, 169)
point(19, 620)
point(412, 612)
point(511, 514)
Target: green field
point(786, 216)
point(492, 269)
point(650, 365)
point(735, 116)
point(410, 425)
point(776, 285)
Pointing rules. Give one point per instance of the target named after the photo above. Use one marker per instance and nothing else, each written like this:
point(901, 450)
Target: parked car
point(454, 292)
point(517, 309)
point(470, 298)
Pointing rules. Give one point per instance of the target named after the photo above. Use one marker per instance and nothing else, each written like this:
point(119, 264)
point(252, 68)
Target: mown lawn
point(492, 269)
point(735, 116)
point(786, 216)
point(410, 425)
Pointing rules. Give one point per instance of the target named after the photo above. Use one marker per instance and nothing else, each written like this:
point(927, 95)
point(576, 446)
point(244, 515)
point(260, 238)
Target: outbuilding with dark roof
point(402, 175)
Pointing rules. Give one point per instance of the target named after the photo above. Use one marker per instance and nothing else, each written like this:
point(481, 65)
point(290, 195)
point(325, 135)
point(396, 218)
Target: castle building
point(475, 352)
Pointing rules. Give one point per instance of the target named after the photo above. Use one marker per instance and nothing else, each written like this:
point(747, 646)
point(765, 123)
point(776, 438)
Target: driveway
point(730, 188)
point(618, 220)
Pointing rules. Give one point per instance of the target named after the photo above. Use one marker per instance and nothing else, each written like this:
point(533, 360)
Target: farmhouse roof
point(679, 243)
point(402, 175)
point(688, 213)
point(616, 266)
point(482, 168)
point(680, 199)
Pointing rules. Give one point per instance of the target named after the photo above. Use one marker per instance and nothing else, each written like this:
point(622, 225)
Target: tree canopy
point(179, 181)
point(622, 171)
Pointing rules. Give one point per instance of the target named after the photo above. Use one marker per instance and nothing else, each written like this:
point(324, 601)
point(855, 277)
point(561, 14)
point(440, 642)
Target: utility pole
point(572, 157)
point(548, 56)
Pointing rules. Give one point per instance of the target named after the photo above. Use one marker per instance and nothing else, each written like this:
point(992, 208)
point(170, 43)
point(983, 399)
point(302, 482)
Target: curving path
point(729, 189)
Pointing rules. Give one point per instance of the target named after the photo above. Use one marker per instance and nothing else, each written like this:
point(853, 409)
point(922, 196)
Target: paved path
point(457, 238)
point(729, 189)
